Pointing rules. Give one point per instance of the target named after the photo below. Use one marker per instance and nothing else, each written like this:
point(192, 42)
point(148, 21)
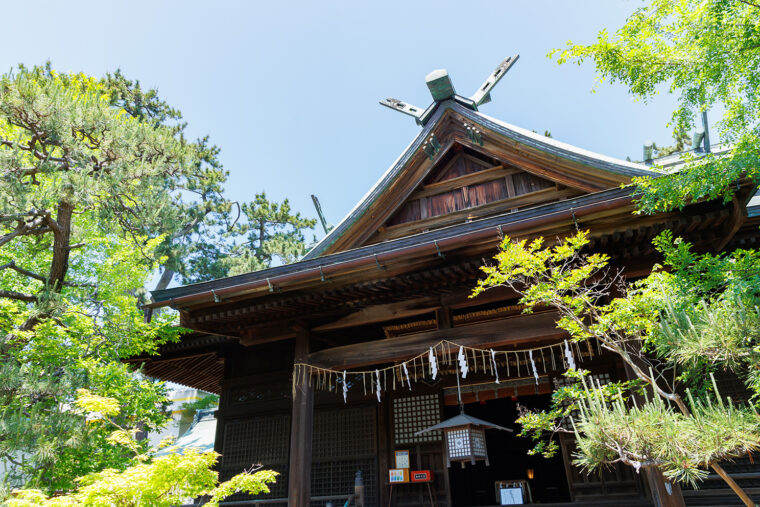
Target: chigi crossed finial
point(441, 88)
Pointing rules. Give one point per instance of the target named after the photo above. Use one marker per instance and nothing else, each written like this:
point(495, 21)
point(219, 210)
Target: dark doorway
point(473, 485)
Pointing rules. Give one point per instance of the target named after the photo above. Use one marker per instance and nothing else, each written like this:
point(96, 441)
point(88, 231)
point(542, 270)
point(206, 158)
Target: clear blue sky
point(289, 90)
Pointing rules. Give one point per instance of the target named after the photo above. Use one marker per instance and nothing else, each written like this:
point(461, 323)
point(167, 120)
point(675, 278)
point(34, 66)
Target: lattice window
point(478, 443)
point(346, 433)
point(262, 440)
point(459, 443)
point(413, 414)
point(337, 478)
point(344, 441)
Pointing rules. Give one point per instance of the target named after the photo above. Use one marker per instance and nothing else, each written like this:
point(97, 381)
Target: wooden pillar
point(299, 479)
point(385, 445)
point(664, 493)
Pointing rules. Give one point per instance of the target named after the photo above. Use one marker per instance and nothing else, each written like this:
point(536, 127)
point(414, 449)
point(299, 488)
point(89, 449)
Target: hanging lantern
point(465, 438)
point(464, 435)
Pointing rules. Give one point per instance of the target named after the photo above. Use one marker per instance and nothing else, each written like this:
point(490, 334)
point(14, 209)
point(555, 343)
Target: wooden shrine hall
point(334, 364)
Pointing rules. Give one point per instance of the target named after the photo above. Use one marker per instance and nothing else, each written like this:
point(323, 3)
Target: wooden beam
point(282, 330)
point(257, 335)
point(418, 306)
point(381, 313)
point(512, 331)
point(443, 318)
point(494, 173)
point(301, 425)
point(491, 208)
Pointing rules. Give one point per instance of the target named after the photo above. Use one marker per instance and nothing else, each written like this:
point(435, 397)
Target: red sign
point(421, 476)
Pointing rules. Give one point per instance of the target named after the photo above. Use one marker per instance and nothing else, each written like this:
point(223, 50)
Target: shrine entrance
point(475, 485)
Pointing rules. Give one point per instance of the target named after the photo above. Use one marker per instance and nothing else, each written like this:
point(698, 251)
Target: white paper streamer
point(463, 362)
point(406, 374)
point(533, 363)
point(495, 369)
point(569, 356)
point(345, 388)
point(433, 364)
point(379, 387)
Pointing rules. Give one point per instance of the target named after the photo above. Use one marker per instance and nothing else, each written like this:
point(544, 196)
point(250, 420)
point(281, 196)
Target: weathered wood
point(512, 331)
point(495, 207)
point(299, 476)
point(384, 442)
point(257, 335)
point(381, 313)
point(457, 299)
point(491, 174)
point(660, 495)
point(329, 262)
point(569, 172)
point(510, 186)
point(443, 318)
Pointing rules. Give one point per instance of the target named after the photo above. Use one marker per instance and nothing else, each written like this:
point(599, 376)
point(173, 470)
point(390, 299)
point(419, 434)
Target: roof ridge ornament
point(442, 88)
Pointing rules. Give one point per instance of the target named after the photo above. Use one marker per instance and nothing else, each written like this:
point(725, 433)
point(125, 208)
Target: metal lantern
point(465, 438)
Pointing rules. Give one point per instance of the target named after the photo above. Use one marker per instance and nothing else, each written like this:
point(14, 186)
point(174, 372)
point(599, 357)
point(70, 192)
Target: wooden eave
point(411, 267)
point(563, 164)
point(418, 289)
point(548, 217)
point(194, 361)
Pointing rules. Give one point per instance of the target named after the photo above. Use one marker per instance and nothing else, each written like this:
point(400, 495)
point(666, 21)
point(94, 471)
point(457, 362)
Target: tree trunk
point(59, 266)
point(61, 246)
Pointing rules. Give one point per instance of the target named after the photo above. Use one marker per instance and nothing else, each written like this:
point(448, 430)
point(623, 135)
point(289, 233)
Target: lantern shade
point(463, 420)
point(465, 438)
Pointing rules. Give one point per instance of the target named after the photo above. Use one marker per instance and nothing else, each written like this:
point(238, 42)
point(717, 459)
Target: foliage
point(154, 481)
point(165, 481)
point(208, 401)
point(98, 189)
point(79, 180)
point(682, 141)
point(657, 434)
point(269, 232)
point(661, 327)
point(707, 51)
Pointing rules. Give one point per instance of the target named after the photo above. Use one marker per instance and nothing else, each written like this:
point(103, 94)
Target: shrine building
point(335, 364)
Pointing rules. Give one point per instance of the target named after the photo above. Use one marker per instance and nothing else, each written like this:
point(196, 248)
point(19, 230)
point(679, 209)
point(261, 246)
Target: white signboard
point(510, 496)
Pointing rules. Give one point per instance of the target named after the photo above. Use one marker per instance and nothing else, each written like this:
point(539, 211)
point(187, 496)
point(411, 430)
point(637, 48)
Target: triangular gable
point(459, 147)
point(465, 186)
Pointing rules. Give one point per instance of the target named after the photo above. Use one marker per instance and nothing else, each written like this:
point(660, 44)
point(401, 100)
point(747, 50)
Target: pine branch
point(751, 4)
point(19, 296)
point(24, 229)
point(30, 274)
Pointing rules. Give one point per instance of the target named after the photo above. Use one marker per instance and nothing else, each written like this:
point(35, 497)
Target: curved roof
point(595, 161)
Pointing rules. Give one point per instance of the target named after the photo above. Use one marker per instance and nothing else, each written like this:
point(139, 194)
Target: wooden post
point(664, 493)
point(299, 480)
point(384, 441)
